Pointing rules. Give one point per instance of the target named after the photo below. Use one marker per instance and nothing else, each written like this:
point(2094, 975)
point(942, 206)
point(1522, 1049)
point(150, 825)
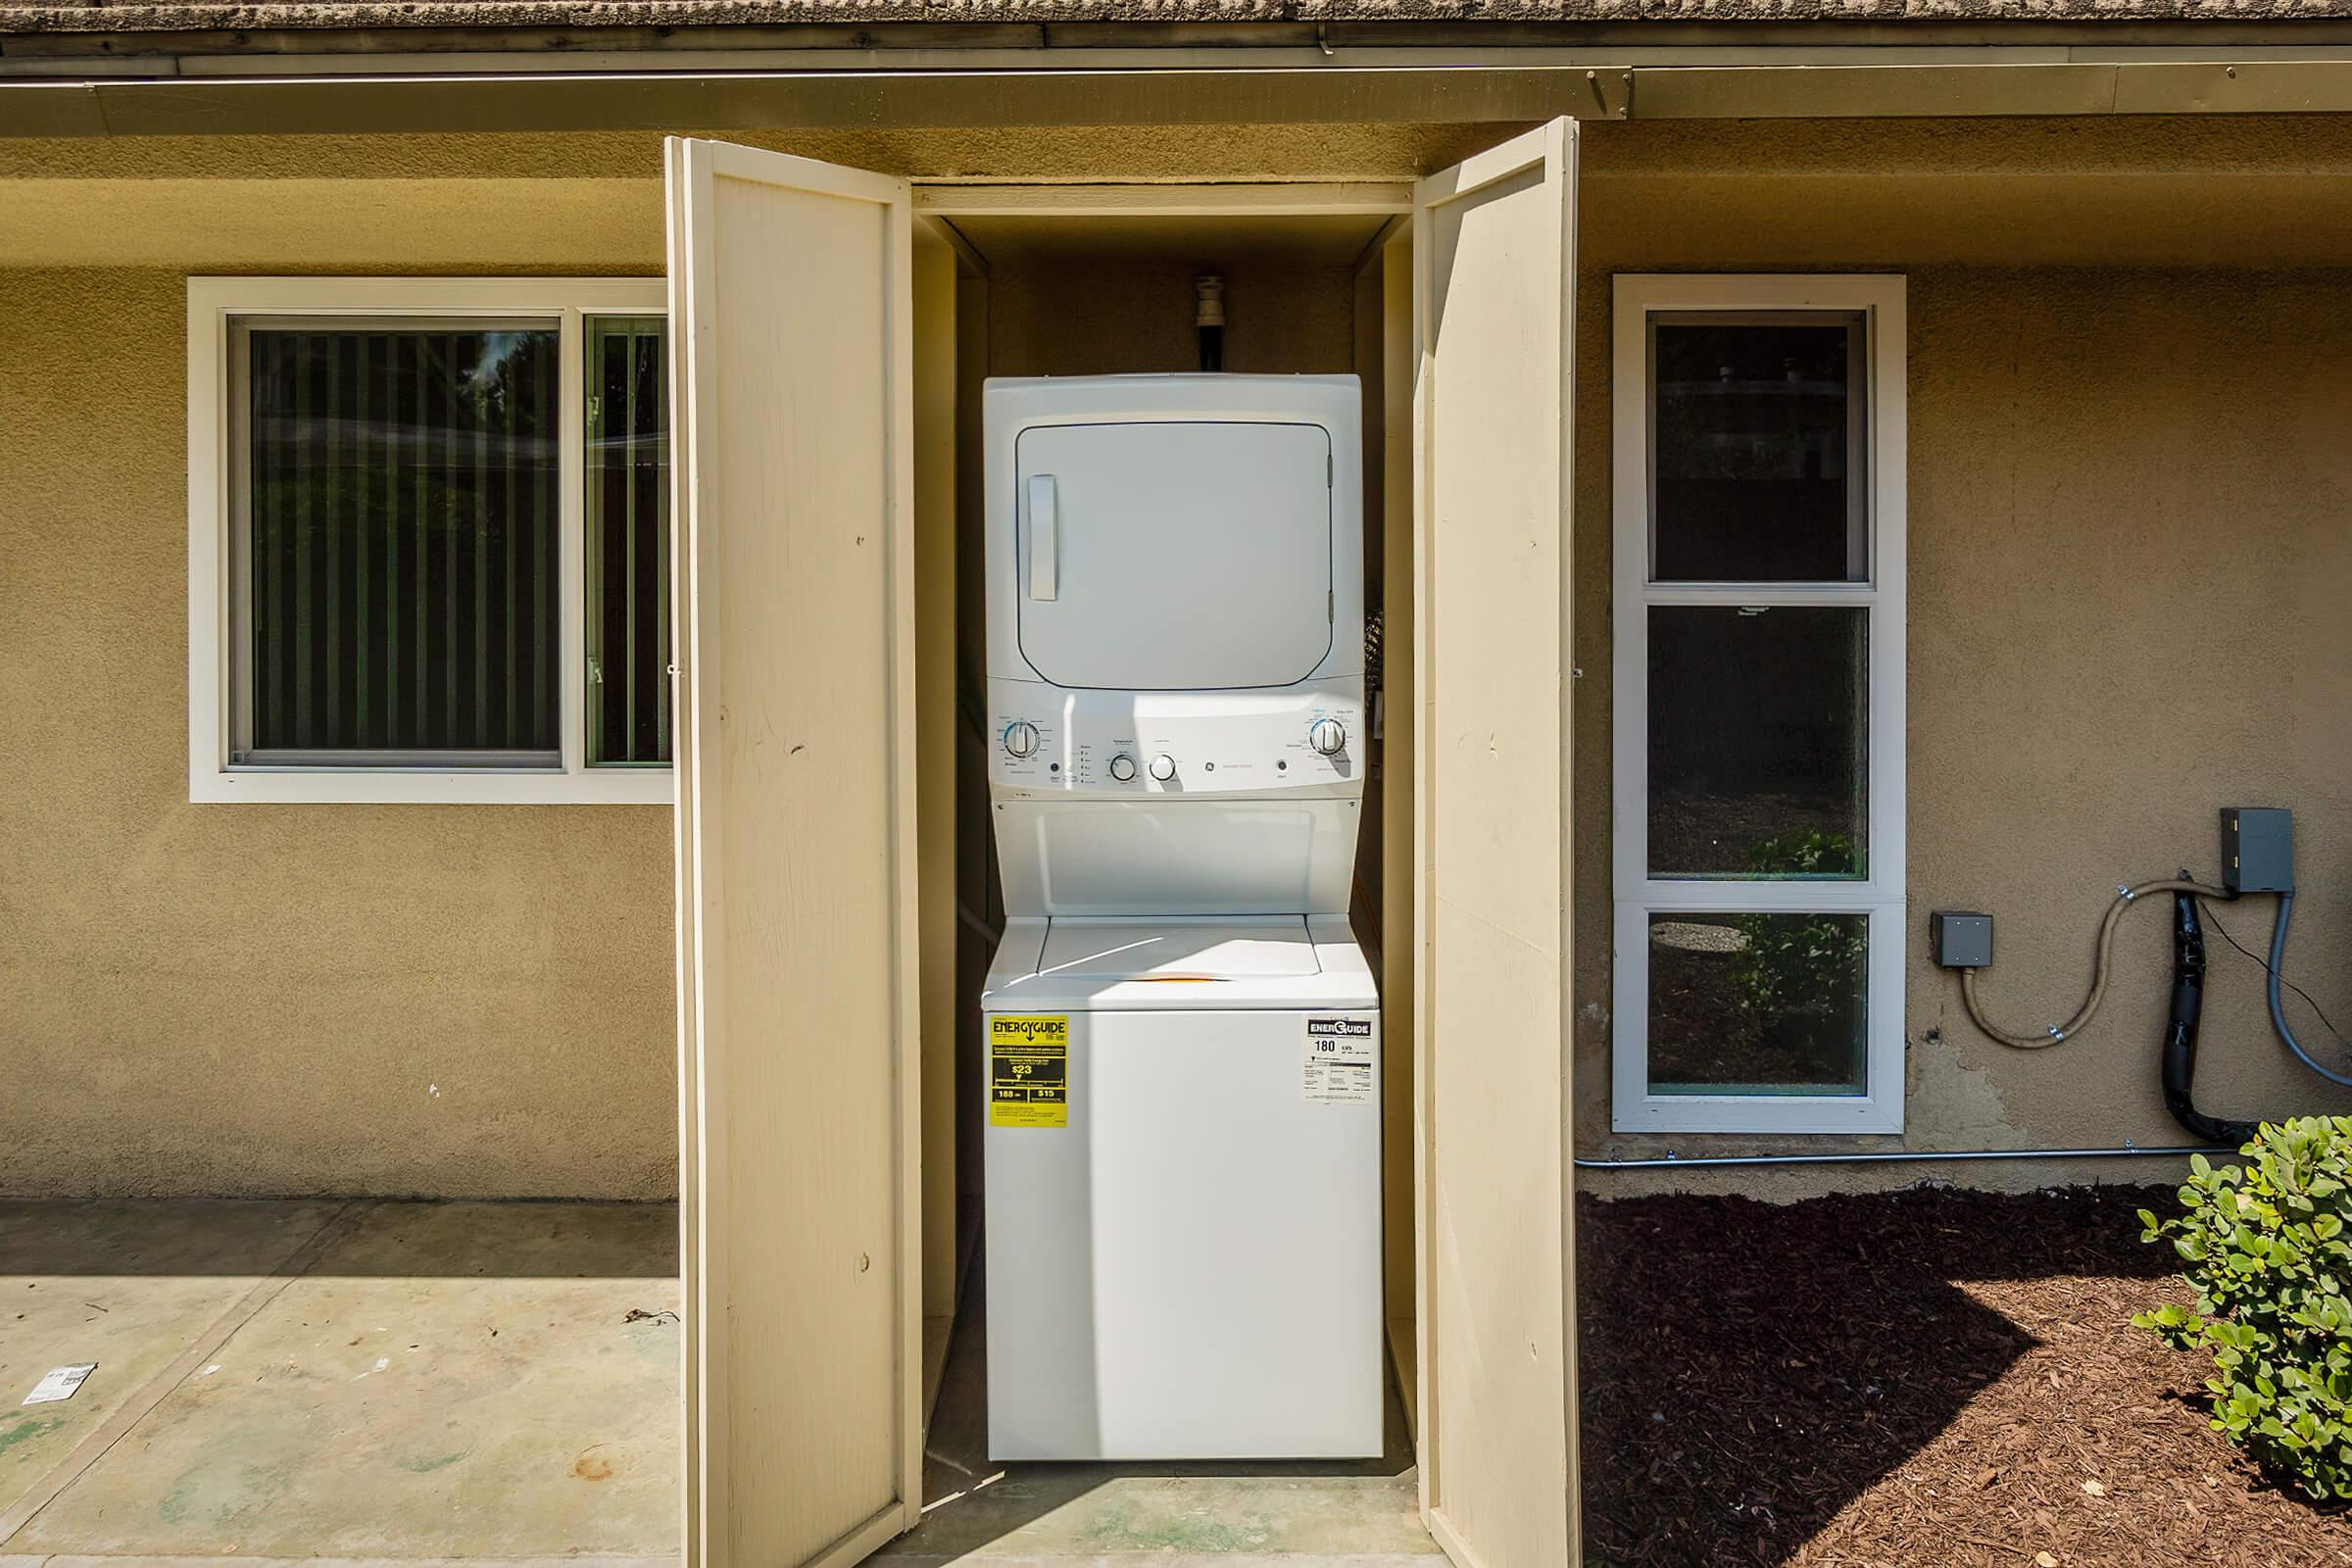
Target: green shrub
point(1789, 965)
point(2266, 1247)
point(1806, 852)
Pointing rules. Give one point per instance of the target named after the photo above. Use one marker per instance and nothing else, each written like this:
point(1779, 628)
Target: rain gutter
point(559, 99)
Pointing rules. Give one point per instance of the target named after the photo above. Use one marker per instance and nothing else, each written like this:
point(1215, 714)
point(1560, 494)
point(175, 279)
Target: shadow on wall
point(1749, 1370)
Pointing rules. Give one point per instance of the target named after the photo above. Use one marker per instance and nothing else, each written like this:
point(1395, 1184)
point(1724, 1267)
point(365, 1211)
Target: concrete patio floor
point(395, 1385)
point(362, 1381)
point(1226, 1514)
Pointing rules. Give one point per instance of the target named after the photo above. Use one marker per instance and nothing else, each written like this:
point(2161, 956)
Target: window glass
point(1757, 1003)
point(1757, 463)
point(1758, 741)
point(628, 543)
point(402, 540)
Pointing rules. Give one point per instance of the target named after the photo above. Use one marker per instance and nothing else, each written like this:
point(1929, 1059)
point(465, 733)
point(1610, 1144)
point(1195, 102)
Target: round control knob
point(1020, 738)
point(1328, 736)
point(1122, 767)
point(1164, 767)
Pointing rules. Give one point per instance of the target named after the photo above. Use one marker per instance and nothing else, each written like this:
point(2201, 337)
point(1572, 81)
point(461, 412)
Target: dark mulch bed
point(1930, 1377)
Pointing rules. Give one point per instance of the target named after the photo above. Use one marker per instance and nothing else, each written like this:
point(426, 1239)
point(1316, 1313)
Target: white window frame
point(214, 303)
point(1636, 895)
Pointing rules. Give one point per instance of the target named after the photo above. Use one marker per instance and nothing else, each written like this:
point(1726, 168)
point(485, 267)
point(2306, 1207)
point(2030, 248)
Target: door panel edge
point(1500, 175)
point(697, 173)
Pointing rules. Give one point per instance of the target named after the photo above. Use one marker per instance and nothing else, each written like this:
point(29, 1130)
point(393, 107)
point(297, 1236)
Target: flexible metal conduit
point(2287, 913)
point(2098, 975)
point(1903, 1157)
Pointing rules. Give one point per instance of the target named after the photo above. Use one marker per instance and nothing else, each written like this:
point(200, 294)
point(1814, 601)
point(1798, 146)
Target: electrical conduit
point(2286, 913)
point(2098, 979)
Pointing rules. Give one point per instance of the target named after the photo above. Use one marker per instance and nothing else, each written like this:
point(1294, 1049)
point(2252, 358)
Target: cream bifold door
point(1493, 275)
point(791, 304)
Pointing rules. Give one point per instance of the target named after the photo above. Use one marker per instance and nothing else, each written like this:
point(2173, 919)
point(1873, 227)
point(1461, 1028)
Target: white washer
point(1183, 1123)
point(1187, 1264)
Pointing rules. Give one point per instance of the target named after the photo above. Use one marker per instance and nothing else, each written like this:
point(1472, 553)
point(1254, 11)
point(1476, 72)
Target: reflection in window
point(1756, 442)
point(1757, 1003)
point(1758, 741)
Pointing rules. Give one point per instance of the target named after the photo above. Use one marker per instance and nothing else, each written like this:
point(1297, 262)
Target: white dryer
point(1182, 1244)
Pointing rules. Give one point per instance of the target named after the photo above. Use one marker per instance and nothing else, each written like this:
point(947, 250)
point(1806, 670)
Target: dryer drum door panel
point(1174, 556)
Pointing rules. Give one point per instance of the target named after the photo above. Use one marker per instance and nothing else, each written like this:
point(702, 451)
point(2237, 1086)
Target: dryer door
point(1174, 556)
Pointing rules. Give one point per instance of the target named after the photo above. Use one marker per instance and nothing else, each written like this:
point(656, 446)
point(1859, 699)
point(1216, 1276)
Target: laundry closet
point(1171, 1087)
point(967, 803)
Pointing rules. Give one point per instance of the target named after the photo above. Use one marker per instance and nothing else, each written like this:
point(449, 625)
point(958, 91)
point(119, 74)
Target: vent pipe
point(1208, 317)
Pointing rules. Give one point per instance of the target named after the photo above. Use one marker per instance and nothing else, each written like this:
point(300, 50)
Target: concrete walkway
point(396, 1384)
point(364, 1382)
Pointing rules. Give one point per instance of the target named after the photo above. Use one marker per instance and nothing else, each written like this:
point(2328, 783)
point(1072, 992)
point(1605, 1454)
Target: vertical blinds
point(401, 488)
point(628, 543)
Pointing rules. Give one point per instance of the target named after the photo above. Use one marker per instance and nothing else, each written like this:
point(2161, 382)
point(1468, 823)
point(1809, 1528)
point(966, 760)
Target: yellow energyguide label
point(1029, 1070)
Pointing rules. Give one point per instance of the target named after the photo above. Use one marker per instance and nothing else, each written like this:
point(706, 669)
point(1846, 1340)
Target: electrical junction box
point(1961, 940)
point(2257, 849)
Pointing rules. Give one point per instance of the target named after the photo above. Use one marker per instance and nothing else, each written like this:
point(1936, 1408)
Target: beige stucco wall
point(269, 998)
point(477, 1000)
point(2129, 562)
point(274, 999)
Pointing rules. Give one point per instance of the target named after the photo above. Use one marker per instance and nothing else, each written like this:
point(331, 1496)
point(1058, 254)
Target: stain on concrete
point(18, 1428)
point(1123, 1528)
point(425, 1467)
point(592, 1465)
point(226, 1485)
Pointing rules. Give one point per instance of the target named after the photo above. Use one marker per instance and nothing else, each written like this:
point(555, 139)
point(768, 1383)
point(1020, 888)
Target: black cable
point(2316, 1008)
point(2180, 1055)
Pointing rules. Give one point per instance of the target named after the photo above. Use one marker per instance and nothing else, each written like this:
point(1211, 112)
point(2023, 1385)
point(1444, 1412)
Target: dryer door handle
point(1044, 544)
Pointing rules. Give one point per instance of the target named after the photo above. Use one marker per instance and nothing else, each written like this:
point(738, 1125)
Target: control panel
point(1049, 740)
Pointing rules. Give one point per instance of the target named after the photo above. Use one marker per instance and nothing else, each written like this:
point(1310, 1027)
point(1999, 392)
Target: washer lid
point(1207, 966)
point(1139, 951)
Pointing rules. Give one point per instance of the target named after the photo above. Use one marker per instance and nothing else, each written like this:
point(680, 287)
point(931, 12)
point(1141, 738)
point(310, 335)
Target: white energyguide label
point(60, 1383)
point(1338, 1063)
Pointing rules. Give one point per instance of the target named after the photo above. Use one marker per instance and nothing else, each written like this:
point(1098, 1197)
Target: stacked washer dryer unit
point(1182, 1038)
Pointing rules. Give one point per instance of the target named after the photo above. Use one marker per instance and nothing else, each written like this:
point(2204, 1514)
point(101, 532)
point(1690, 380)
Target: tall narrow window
point(401, 543)
point(1758, 703)
point(628, 544)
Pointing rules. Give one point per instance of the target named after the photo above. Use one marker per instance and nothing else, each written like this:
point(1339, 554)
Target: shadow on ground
point(1945, 1376)
point(194, 1237)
